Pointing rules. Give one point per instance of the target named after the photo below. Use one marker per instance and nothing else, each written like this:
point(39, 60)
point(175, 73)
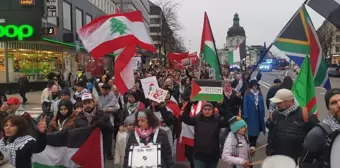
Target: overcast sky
point(261, 19)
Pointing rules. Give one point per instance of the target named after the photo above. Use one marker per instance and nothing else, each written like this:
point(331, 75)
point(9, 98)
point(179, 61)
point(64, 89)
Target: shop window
point(88, 18)
point(67, 17)
point(79, 19)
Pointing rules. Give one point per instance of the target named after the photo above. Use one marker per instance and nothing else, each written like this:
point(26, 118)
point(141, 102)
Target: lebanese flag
point(109, 33)
point(173, 106)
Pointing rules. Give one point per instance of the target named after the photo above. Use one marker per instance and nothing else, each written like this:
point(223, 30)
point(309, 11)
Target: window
point(154, 29)
point(337, 38)
point(88, 18)
point(337, 49)
point(79, 19)
point(67, 16)
point(155, 21)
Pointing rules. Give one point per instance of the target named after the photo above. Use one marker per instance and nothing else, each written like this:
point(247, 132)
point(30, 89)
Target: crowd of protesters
point(209, 131)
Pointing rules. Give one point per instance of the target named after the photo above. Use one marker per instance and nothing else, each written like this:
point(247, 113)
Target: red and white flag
point(109, 33)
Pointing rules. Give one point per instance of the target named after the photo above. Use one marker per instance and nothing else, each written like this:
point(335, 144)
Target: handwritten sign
point(158, 95)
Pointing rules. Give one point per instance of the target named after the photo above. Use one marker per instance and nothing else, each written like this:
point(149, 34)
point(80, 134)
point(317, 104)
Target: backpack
point(328, 142)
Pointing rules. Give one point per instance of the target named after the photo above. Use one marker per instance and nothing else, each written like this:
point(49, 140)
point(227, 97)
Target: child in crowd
point(237, 152)
point(121, 140)
point(78, 108)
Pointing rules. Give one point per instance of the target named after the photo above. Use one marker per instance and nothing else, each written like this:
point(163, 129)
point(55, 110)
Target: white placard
point(135, 61)
point(158, 95)
point(148, 84)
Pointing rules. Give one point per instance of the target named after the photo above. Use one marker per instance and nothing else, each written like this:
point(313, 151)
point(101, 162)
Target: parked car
point(334, 71)
point(266, 67)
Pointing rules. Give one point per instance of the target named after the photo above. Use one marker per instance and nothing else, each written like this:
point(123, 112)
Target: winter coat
point(207, 131)
point(254, 116)
point(121, 141)
point(231, 106)
point(231, 145)
point(271, 93)
point(162, 139)
point(23, 84)
point(54, 126)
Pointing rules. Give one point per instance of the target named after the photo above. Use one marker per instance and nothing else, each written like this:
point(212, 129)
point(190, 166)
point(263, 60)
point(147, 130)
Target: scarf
point(228, 90)
point(332, 122)
point(11, 148)
point(80, 94)
point(145, 134)
point(289, 110)
point(90, 116)
point(132, 107)
point(256, 95)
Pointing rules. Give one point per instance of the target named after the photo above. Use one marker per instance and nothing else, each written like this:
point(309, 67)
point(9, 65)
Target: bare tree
point(326, 34)
point(168, 37)
point(169, 8)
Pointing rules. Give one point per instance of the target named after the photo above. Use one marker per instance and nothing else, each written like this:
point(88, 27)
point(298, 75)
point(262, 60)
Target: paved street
point(34, 105)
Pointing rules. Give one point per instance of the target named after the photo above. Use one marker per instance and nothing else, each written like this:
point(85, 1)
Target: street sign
point(49, 31)
point(16, 32)
point(207, 90)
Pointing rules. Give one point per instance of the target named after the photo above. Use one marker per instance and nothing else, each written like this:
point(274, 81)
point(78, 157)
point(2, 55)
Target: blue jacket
point(254, 116)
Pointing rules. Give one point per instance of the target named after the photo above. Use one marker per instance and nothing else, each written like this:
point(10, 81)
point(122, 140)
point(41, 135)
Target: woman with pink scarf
point(146, 127)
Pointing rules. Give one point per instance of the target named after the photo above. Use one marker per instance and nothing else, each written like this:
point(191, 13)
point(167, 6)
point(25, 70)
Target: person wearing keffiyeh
point(316, 142)
point(93, 116)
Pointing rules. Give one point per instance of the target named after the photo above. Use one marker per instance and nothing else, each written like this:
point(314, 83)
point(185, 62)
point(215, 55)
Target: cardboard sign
point(186, 62)
point(158, 95)
point(207, 90)
point(148, 84)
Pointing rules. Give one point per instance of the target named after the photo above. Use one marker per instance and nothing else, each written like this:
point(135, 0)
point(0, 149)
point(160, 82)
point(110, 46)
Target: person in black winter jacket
point(272, 91)
point(207, 126)
point(93, 116)
point(15, 133)
point(146, 127)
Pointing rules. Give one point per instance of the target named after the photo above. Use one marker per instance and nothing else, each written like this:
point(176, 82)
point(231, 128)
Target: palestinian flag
point(329, 9)
point(207, 90)
point(80, 147)
point(297, 39)
point(208, 48)
point(303, 87)
point(107, 34)
point(235, 56)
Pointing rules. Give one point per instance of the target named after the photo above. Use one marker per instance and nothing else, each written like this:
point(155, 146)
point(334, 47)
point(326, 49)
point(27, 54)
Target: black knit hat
point(330, 94)
point(209, 105)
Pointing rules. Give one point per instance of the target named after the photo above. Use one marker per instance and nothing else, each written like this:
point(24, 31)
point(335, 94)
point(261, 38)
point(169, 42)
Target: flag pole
point(218, 59)
point(200, 65)
point(261, 58)
point(266, 52)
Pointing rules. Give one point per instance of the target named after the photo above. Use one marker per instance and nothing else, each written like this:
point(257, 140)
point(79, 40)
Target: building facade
point(56, 47)
point(161, 33)
point(236, 35)
point(328, 30)
point(134, 5)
